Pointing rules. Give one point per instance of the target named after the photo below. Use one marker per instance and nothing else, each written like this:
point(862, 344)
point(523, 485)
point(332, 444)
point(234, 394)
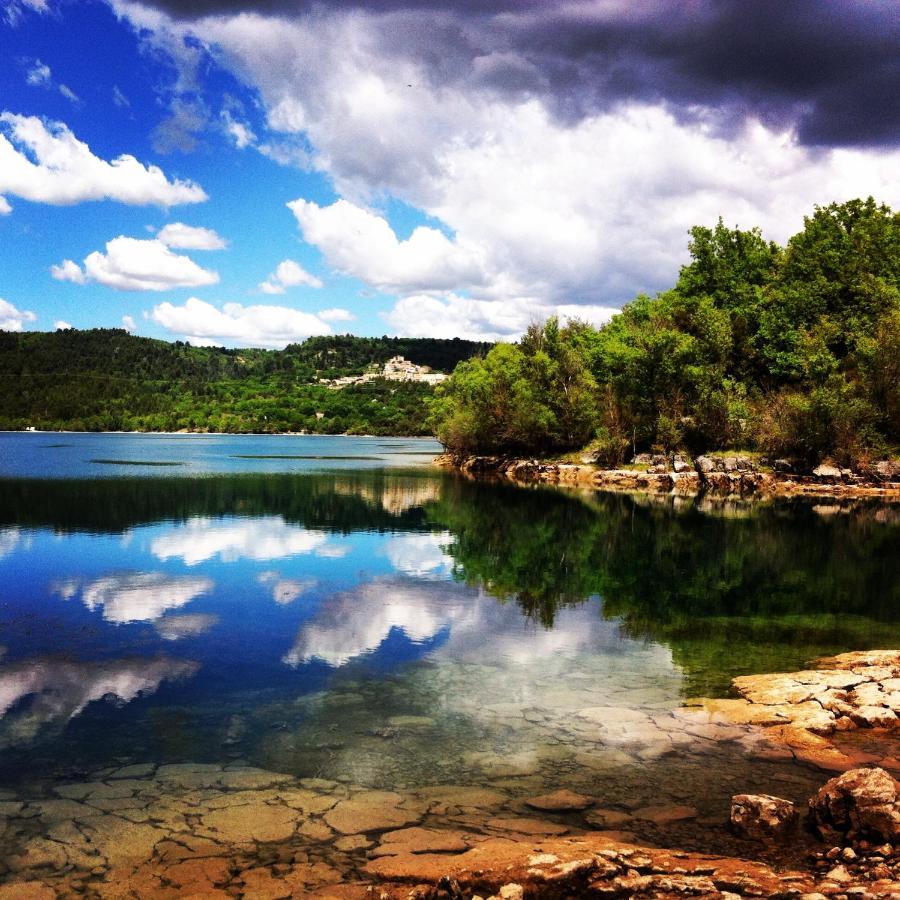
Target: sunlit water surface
point(334, 607)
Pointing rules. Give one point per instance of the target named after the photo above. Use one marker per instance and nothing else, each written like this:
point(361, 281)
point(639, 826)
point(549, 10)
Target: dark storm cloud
point(831, 68)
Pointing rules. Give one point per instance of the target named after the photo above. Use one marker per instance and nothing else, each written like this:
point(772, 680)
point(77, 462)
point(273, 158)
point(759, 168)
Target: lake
point(333, 608)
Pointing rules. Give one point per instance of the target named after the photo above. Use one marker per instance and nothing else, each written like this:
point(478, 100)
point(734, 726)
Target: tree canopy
point(791, 350)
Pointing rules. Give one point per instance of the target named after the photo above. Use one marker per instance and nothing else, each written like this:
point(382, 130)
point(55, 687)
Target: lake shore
point(727, 478)
point(221, 831)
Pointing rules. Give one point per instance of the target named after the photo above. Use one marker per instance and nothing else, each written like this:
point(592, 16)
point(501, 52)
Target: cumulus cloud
point(288, 274)
point(258, 326)
point(267, 538)
point(139, 597)
point(565, 152)
point(43, 690)
point(363, 244)
point(190, 237)
point(5, 208)
point(12, 319)
point(61, 325)
point(68, 270)
point(827, 70)
point(420, 555)
point(335, 314)
point(128, 324)
point(131, 264)
point(44, 162)
point(239, 132)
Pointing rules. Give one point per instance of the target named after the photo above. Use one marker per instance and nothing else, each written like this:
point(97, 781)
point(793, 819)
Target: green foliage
point(532, 397)
point(795, 351)
point(109, 380)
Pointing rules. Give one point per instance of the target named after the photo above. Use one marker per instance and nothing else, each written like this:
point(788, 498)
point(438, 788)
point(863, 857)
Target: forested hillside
point(793, 351)
point(108, 379)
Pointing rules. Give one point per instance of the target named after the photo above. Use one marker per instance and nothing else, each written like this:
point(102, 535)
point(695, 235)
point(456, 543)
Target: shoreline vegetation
point(788, 353)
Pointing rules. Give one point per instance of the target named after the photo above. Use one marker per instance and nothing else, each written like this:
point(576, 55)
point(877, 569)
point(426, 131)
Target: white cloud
point(12, 319)
point(190, 237)
point(60, 689)
point(258, 326)
point(38, 75)
point(261, 539)
point(362, 244)
point(45, 163)
point(420, 555)
point(238, 131)
point(174, 628)
point(61, 325)
point(287, 590)
point(68, 270)
point(14, 9)
point(129, 324)
point(69, 94)
point(131, 264)
point(359, 621)
point(335, 314)
point(142, 597)
point(544, 211)
point(288, 274)
point(5, 208)
point(12, 538)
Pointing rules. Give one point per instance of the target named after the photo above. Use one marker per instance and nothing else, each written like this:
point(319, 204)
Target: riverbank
point(236, 831)
point(717, 475)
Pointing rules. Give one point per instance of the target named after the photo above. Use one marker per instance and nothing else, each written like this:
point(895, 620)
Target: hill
point(109, 380)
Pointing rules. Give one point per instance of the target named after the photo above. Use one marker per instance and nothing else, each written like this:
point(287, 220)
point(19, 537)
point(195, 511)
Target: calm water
point(334, 607)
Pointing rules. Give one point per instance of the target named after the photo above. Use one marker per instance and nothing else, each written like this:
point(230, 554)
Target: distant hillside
point(108, 379)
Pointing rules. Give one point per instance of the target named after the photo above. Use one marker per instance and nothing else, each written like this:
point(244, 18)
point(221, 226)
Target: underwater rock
point(560, 801)
point(762, 816)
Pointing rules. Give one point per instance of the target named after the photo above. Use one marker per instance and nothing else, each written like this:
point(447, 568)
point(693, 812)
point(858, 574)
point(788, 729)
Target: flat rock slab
point(560, 801)
point(370, 811)
point(421, 840)
point(251, 822)
point(665, 815)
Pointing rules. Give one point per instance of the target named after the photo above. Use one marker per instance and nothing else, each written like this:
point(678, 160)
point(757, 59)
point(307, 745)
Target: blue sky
point(452, 169)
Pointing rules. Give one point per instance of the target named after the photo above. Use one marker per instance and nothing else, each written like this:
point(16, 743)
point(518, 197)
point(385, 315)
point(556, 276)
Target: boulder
point(762, 817)
point(862, 803)
point(705, 464)
point(827, 474)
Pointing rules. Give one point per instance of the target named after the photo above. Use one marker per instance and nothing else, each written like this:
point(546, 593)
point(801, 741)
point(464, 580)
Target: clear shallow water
point(391, 626)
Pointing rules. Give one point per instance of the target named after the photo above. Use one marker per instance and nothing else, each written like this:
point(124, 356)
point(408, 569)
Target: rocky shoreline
point(716, 475)
point(235, 831)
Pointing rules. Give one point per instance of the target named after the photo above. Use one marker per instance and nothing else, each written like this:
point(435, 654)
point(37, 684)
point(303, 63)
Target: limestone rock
point(370, 811)
point(861, 802)
point(560, 801)
point(250, 822)
point(761, 816)
point(665, 815)
point(420, 840)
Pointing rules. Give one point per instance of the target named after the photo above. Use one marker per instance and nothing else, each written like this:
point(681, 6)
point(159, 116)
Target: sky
point(253, 172)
